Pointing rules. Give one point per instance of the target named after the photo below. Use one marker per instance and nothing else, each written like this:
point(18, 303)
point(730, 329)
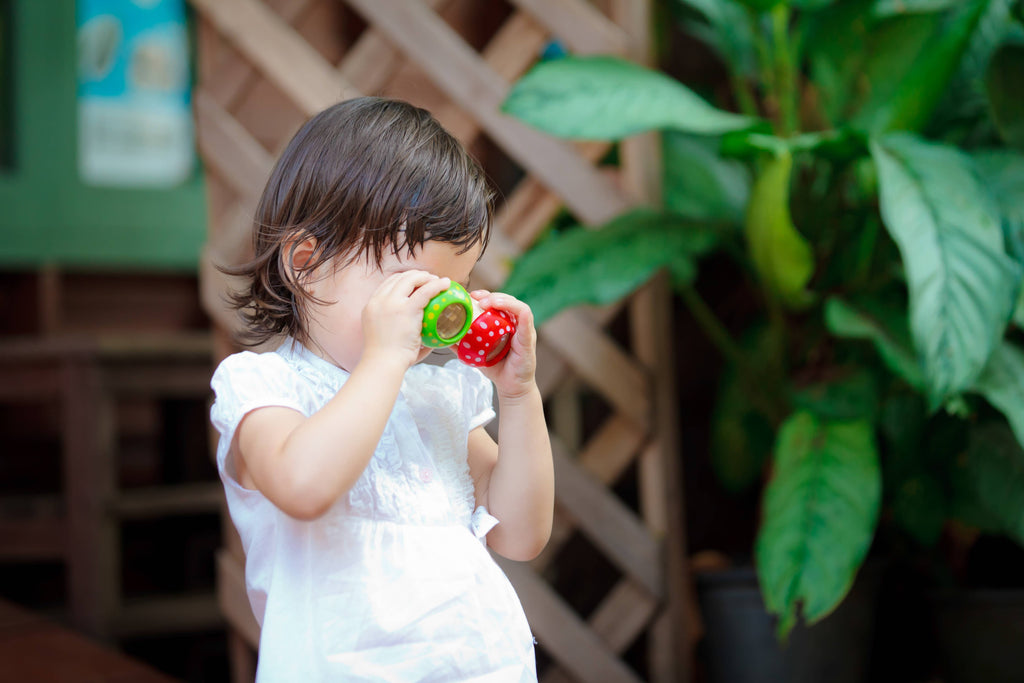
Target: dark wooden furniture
point(84, 376)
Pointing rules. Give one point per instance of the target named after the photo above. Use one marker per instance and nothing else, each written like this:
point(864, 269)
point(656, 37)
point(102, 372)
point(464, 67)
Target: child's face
point(335, 327)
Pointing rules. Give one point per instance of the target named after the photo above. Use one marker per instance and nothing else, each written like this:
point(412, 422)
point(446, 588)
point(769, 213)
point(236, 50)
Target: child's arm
point(515, 478)
point(303, 465)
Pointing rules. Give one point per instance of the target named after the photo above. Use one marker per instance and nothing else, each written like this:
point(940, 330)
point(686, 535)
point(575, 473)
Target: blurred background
point(776, 247)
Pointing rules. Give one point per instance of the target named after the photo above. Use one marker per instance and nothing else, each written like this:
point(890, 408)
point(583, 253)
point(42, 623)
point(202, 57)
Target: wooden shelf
point(168, 501)
point(167, 614)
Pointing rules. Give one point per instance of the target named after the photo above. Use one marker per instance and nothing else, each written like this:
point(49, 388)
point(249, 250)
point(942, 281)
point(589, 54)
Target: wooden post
point(89, 467)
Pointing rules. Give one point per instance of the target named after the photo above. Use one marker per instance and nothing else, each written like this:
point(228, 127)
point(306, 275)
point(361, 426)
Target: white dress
point(394, 583)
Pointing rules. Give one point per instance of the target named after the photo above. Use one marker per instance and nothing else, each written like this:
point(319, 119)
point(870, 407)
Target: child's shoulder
point(249, 362)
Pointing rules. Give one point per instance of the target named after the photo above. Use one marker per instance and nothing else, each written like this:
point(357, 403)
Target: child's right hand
point(393, 316)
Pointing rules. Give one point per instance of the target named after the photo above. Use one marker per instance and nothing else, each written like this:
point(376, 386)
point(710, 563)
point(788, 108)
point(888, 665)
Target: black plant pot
point(740, 646)
point(980, 635)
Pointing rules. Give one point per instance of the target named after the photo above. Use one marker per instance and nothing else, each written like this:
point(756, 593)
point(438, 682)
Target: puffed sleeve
point(246, 381)
point(477, 394)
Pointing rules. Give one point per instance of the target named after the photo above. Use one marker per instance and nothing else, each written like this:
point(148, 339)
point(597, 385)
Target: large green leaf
point(963, 112)
point(607, 98)
point(783, 258)
point(995, 474)
point(600, 266)
point(1002, 172)
point(701, 184)
point(1002, 385)
point(820, 510)
point(886, 329)
point(906, 102)
point(962, 285)
point(853, 55)
point(1003, 84)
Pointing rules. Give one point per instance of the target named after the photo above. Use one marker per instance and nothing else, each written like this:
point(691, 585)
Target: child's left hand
point(514, 375)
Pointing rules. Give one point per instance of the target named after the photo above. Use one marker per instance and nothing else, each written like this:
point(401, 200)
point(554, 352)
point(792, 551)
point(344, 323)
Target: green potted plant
point(865, 168)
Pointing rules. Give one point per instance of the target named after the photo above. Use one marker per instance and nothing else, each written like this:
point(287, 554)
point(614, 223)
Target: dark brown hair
point(366, 175)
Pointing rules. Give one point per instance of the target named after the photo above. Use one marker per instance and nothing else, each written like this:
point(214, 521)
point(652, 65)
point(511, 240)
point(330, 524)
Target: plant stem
point(743, 94)
point(713, 327)
point(764, 63)
point(784, 70)
point(866, 250)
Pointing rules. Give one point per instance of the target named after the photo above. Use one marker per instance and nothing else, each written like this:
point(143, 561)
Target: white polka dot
point(483, 324)
point(465, 344)
point(481, 352)
point(491, 333)
point(479, 338)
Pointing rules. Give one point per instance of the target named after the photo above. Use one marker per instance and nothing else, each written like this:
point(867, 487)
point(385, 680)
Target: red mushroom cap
point(488, 339)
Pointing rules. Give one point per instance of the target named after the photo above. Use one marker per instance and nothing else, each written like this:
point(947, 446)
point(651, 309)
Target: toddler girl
point(363, 485)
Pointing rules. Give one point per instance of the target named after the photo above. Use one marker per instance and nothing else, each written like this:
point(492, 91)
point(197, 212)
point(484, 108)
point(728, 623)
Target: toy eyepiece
point(451, 320)
point(447, 317)
point(500, 348)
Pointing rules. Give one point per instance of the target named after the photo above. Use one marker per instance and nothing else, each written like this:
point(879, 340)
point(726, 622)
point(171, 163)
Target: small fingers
point(427, 291)
point(405, 283)
point(507, 303)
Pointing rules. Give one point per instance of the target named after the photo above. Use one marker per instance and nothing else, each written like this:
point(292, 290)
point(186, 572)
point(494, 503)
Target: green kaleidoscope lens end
point(447, 317)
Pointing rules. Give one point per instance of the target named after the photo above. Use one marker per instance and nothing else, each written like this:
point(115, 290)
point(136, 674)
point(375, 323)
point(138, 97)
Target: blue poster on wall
point(134, 115)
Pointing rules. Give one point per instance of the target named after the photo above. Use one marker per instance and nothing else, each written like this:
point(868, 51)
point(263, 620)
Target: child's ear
point(297, 256)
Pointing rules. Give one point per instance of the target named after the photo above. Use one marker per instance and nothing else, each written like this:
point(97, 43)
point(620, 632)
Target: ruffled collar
point(294, 351)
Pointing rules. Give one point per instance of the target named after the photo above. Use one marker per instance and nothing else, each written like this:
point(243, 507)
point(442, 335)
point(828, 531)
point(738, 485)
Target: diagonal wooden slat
point(509, 53)
point(279, 52)
point(228, 148)
point(562, 633)
point(579, 24)
point(624, 613)
point(612, 448)
point(602, 364)
point(608, 453)
point(456, 68)
point(531, 207)
point(372, 61)
point(232, 76)
point(609, 524)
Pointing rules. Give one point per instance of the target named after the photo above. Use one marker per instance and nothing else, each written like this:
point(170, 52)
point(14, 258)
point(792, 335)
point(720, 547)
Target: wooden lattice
point(265, 66)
